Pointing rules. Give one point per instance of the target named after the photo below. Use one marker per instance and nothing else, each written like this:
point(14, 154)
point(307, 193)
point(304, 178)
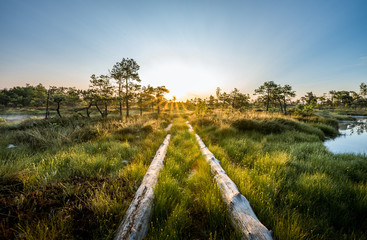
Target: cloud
point(362, 61)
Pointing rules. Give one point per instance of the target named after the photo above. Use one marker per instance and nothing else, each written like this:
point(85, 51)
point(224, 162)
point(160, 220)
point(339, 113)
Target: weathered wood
point(190, 127)
point(137, 218)
point(240, 211)
point(168, 127)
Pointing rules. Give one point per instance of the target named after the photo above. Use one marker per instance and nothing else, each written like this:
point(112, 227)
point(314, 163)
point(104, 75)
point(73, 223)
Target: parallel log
point(168, 127)
point(240, 211)
point(137, 218)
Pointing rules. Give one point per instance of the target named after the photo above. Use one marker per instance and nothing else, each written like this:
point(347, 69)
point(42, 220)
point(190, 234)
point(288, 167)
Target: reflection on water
point(353, 137)
point(14, 118)
point(354, 127)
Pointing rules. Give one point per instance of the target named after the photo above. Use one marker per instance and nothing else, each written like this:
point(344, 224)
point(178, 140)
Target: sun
point(184, 78)
point(170, 95)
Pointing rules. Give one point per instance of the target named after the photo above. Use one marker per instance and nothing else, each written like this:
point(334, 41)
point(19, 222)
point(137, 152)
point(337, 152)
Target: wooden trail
point(137, 218)
point(240, 211)
point(168, 127)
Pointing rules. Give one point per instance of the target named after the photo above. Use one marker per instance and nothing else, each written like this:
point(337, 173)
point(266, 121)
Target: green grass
point(295, 185)
point(339, 114)
point(72, 178)
point(188, 204)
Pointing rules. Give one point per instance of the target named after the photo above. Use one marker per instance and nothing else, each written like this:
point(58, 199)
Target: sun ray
point(161, 102)
point(165, 106)
point(171, 109)
point(183, 106)
point(150, 101)
point(177, 108)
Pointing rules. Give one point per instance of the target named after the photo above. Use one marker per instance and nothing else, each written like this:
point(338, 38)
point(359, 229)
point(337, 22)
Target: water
point(353, 138)
point(16, 118)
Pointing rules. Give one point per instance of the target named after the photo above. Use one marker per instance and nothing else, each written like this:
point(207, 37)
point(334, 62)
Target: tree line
point(120, 86)
point(275, 97)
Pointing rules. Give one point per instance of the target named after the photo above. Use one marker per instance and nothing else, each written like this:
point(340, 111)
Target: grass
point(188, 204)
point(296, 186)
point(335, 115)
point(342, 114)
point(72, 178)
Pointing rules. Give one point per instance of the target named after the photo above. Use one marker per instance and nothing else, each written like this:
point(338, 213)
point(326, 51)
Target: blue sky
point(191, 47)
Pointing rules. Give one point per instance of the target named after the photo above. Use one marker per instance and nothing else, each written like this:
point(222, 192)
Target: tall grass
point(296, 186)
point(74, 178)
point(60, 184)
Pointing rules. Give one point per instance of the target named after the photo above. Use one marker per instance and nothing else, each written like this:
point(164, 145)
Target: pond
point(353, 138)
point(15, 118)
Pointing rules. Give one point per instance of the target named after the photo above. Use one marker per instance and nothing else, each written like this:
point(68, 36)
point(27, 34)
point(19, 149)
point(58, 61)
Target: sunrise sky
point(191, 47)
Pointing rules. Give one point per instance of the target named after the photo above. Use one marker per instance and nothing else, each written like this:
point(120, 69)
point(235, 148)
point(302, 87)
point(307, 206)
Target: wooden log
point(190, 127)
point(168, 127)
point(137, 217)
point(239, 208)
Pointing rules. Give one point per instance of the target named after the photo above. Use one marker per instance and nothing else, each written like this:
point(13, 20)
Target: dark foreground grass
point(72, 178)
point(296, 186)
point(188, 204)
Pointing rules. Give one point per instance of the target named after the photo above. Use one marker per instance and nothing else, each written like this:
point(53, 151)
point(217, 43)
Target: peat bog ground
point(74, 178)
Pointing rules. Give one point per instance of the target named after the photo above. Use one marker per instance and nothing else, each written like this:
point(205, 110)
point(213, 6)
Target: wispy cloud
point(362, 61)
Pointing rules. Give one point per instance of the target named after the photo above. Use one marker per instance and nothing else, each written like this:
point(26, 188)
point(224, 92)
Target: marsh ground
point(73, 178)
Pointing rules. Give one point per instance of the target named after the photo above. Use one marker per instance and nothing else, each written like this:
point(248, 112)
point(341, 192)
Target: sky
point(191, 47)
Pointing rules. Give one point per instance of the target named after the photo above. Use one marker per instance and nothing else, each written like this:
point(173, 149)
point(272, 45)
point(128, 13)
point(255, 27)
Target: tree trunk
point(281, 106)
point(267, 101)
point(285, 106)
point(58, 109)
point(99, 110)
point(127, 99)
point(120, 99)
point(48, 99)
point(89, 106)
point(105, 110)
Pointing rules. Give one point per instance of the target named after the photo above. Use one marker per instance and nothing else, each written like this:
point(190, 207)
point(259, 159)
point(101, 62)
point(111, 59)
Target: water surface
point(15, 118)
point(353, 138)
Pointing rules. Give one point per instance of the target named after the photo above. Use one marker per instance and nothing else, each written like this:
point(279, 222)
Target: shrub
point(276, 126)
point(326, 129)
point(147, 129)
point(205, 122)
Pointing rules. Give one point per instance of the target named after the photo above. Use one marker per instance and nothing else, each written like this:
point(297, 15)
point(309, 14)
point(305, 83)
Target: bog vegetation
point(73, 174)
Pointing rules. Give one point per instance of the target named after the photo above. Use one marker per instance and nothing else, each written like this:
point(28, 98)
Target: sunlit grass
point(72, 188)
point(74, 178)
point(296, 187)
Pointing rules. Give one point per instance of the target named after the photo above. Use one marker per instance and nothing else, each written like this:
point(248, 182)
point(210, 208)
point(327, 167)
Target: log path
point(137, 218)
point(240, 211)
